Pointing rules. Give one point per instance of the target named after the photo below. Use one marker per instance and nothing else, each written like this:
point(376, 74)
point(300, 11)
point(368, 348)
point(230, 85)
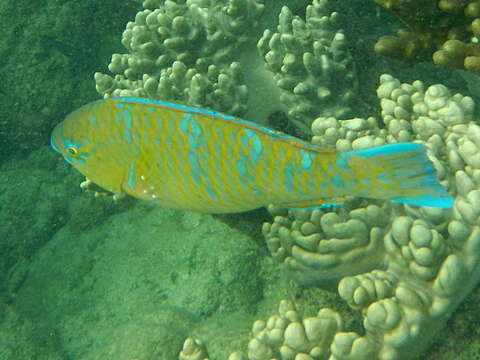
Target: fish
point(195, 159)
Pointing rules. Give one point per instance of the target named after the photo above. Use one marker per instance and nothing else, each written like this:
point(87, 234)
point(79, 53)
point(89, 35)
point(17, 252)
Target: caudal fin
point(401, 172)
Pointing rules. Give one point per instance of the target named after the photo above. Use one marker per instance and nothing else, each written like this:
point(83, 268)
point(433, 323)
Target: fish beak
point(55, 141)
point(54, 145)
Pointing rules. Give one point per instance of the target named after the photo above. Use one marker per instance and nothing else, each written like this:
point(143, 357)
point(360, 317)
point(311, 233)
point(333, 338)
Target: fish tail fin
point(401, 172)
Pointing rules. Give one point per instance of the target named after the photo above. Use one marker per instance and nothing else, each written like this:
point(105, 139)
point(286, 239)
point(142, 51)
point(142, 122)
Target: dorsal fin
point(223, 117)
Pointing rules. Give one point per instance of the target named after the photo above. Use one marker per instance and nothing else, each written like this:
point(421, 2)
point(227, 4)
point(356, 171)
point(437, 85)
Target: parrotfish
point(201, 160)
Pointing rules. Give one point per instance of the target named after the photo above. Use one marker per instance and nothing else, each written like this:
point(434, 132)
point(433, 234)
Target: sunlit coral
point(446, 31)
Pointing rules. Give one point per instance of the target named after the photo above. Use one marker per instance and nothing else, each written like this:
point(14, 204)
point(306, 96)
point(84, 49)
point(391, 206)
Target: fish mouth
point(55, 141)
point(54, 145)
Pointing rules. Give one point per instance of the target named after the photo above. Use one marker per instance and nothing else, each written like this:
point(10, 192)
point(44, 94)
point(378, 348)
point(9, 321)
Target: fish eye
point(71, 150)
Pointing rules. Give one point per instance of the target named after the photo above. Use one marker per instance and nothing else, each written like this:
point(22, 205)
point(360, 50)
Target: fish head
point(83, 143)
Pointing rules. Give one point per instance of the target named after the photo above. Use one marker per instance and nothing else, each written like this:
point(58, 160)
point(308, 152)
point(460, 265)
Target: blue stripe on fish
point(211, 192)
point(388, 149)
point(173, 105)
point(321, 206)
point(419, 175)
point(244, 141)
point(342, 160)
point(338, 181)
point(242, 169)
point(288, 174)
point(215, 114)
point(131, 174)
point(54, 145)
point(425, 200)
point(232, 159)
point(305, 159)
point(184, 124)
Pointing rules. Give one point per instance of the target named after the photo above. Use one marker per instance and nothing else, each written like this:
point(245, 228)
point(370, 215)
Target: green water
point(89, 278)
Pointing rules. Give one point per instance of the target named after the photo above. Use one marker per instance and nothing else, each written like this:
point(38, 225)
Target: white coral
point(212, 54)
point(405, 268)
point(185, 51)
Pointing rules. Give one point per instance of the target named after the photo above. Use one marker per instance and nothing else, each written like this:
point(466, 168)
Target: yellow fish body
point(195, 159)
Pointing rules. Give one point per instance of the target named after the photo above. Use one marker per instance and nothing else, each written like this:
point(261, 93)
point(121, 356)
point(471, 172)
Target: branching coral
point(406, 269)
point(309, 60)
point(447, 31)
point(204, 53)
point(185, 51)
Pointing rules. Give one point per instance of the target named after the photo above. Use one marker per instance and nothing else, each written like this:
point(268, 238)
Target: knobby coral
point(205, 53)
point(405, 268)
point(446, 31)
point(184, 51)
point(311, 64)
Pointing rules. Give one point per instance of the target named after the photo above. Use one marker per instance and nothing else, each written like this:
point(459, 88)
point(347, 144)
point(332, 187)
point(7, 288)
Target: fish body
point(196, 159)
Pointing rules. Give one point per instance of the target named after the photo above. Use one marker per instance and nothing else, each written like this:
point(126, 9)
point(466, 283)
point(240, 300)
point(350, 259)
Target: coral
point(184, 51)
point(448, 32)
point(309, 60)
point(205, 53)
point(405, 268)
point(193, 349)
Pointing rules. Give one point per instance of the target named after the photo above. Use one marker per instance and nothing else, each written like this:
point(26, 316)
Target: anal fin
point(316, 204)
